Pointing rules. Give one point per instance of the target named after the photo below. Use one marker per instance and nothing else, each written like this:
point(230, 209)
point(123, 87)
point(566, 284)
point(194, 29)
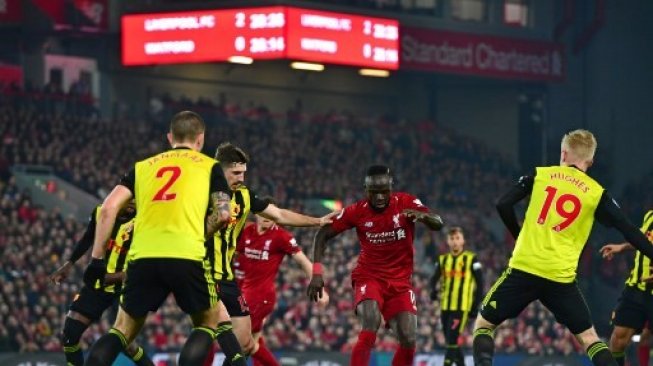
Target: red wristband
point(317, 269)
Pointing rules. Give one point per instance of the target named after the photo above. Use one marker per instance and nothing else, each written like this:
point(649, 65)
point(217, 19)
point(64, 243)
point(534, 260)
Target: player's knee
point(248, 345)
point(407, 339)
point(620, 339)
point(588, 337)
point(481, 322)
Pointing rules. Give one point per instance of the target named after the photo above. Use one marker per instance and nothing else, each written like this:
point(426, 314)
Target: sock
point(619, 357)
point(600, 355)
point(483, 347)
point(404, 356)
point(140, 358)
point(644, 354)
point(71, 334)
point(263, 357)
point(197, 346)
point(106, 349)
point(360, 355)
point(448, 357)
point(229, 344)
point(458, 356)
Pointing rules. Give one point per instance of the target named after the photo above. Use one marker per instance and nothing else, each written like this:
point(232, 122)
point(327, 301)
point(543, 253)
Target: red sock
point(360, 355)
point(404, 356)
point(263, 357)
point(643, 353)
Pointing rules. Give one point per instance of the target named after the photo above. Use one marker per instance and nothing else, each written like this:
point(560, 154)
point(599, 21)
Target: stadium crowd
point(295, 156)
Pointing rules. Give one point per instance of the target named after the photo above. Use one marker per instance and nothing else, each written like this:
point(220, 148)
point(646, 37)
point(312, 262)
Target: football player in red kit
point(385, 224)
point(261, 249)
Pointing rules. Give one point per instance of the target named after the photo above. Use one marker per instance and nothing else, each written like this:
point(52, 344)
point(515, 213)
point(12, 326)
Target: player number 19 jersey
point(558, 222)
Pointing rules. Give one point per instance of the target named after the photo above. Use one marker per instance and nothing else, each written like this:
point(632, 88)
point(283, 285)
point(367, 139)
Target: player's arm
point(433, 282)
point(96, 269)
point(477, 273)
point(609, 250)
point(307, 266)
point(81, 247)
point(609, 214)
point(319, 247)
point(506, 203)
point(220, 198)
point(432, 220)
point(287, 217)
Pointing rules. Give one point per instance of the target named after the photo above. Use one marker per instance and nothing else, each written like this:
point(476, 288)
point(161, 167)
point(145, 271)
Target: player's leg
point(568, 306)
point(619, 341)
point(138, 355)
point(399, 311)
point(369, 315)
point(107, 348)
point(404, 324)
point(226, 338)
point(368, 301)
point(74, 326)
point(259, 311)
point(509, 295)
point(629, 318)
point(86, 308)
point(238, 318)
point(243, 331)
point(451, 325)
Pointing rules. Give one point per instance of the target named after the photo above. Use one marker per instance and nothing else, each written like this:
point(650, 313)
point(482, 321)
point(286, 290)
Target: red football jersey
point(386, 237)
point(260, 255)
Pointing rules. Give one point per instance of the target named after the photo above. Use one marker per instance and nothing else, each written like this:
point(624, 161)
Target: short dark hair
point(455, 229)
point(378, 170)
point(228, 153)
point(186, 126)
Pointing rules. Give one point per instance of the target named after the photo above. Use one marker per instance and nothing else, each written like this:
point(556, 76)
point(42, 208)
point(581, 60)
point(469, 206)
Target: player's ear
point(169, 136)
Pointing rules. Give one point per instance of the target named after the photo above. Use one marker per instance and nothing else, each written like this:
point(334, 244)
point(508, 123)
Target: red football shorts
point(393, 297)
point(261, 304)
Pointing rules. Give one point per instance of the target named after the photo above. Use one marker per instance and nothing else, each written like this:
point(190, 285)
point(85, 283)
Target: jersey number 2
point(162, 194)
point(569, 215)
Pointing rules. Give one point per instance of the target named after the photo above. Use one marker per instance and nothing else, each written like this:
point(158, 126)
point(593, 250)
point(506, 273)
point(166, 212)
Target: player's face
point(456, 242)
point(263, 224)
point(235, 175)
point(378, 189)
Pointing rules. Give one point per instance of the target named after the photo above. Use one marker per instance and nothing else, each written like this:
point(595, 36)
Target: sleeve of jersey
point(289, 244)
point(218, 181)
point(129, 180)
point(257, 204)
point(344, 220)
point(609, 214)
point(86, 241)
point(414, 203)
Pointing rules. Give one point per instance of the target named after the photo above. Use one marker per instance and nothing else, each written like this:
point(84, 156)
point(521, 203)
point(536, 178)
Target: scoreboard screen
point(260, 33)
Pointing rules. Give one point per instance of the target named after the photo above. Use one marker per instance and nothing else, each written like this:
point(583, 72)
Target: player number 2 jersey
point(558, 222)
point(172, 199)
point(386, 237)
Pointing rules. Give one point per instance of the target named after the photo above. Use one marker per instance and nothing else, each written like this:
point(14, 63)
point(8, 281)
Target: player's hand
point(95, 271)
point(414, 214)
point(324, 300)
point(114, 278)
point(609, 250)
point(327, 219)
point(315, 288)
point(61, 273)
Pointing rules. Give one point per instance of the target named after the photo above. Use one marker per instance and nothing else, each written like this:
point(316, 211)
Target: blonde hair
point(581, 144)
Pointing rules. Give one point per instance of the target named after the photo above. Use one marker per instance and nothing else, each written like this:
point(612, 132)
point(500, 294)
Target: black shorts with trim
point(515, 289)
point(232, 298)
point(151, 280)
point(634, 309)
point(92, 303)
